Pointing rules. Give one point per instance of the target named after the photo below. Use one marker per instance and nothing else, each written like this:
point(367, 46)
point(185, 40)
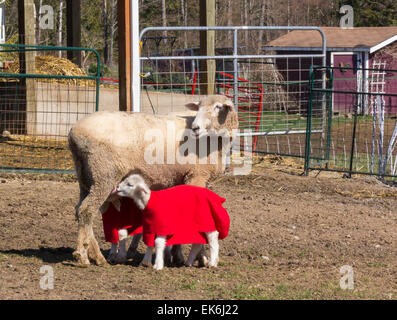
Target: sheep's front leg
point(213, 242)
point(147, 259)
point(196, 248)
point(159, 244)
point(122, 254)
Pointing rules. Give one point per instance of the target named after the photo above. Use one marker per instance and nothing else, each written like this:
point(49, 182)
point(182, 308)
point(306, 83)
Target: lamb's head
point(134, 187)
point(215, 116)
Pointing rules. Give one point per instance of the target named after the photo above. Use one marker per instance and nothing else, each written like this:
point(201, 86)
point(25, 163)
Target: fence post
point(207, 45)
point(73, 23)
point(27, 61)
point(309, 123)
point(124, 42)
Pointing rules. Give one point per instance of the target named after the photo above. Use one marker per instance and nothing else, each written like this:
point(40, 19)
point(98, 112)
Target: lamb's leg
point(87, 246)
point(113, 253)
point(196, 248)
point(147, 259)
point(213, 242)
point(167, 255)
point(177, 256)
point(122, 254)
point(199, 179)
point(159, 244)
point(134, 245)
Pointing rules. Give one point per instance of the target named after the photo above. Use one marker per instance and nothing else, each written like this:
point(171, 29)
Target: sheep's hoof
point(81, 259)
point(121, 258)
point(112, 258)
point(158, 267)
point(99, 260)
point(212, 264)
point(131, 253)
point(146, 263)
point(203, 261)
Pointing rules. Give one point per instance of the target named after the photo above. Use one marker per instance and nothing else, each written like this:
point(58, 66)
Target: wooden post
point(26, 30)
point(73, 29)
point(207, 47)
point(124, 42)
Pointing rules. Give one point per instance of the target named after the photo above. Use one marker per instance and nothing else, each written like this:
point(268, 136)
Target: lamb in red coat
point(121, 218)
point(179, 215)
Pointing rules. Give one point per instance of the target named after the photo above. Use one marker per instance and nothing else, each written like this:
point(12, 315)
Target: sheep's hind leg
point(113, 253)
point(122, 253)
point(147, 259)
point(134, 245)
point(177, 256)
point(196, 248)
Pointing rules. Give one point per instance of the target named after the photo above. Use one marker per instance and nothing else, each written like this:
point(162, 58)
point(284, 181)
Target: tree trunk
point(105, 33)
point(113, 29)
point(261, 23)
point(37, 13)
point(60, 27)
point(164, 18)
point(183, 16)
point(229, 19)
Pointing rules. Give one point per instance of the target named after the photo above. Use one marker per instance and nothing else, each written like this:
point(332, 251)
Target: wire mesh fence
point(360, 135)
point(41, 97)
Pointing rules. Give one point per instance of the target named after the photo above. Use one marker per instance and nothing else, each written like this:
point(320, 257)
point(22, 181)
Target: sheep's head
point(215, 116)
point(134, 187)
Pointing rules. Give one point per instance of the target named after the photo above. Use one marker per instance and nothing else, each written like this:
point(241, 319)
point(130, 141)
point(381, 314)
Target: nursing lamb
point(178, 215)
point(108, 145)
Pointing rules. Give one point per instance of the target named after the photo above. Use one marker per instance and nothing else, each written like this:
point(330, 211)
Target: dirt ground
point(290, 235)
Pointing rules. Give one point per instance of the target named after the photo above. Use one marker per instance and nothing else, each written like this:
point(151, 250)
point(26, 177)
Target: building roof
point(364, 38)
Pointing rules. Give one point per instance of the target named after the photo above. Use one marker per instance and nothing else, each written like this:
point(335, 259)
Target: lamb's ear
point(194, 106)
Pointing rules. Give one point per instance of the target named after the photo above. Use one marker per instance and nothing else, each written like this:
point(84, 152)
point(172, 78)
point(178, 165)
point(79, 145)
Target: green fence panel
point(38, 109)
point(359, 134)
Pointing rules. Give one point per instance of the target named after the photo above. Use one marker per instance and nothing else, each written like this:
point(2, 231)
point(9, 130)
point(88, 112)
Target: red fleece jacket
point(182, 213)
point(129, 217)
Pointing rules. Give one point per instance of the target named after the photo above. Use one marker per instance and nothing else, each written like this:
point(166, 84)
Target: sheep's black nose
point(195, 129)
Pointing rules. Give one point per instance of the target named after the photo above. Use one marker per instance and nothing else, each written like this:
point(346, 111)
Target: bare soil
point(289, 237)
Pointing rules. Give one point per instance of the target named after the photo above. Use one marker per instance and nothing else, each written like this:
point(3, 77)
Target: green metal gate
point(37, 109)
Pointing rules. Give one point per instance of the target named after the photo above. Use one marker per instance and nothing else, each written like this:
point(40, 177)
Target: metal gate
point(270, 91)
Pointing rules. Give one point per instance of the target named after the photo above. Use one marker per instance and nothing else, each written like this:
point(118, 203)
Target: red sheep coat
point(183, 213)
point(129, 217)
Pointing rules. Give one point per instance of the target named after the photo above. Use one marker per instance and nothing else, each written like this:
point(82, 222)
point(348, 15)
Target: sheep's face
point(134, 187)
point(215, 116)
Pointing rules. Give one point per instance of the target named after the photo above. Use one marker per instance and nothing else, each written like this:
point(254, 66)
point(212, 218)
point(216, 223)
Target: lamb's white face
point(134, 187)
point(212, 113)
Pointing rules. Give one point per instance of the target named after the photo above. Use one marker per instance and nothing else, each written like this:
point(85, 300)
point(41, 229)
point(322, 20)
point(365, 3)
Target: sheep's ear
point(194, 106)
point(226, 105)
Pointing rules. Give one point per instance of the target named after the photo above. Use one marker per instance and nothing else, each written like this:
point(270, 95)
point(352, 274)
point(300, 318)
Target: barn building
point(373, 48)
